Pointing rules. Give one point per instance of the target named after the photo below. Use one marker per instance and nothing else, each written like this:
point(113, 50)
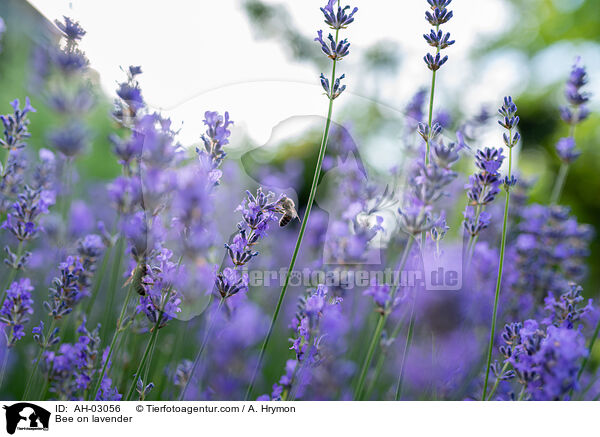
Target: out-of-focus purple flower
point(15, 310)
point(216, 136)
point(576, 113)
point(577, 79)
point(130, 95)
point(71, 29)
point(549, 252)
point(70, 140)
point(129, 149)
point(182, 373)
point(69, 59)
point(414, 109)
point(125, 193)
point(565, 147)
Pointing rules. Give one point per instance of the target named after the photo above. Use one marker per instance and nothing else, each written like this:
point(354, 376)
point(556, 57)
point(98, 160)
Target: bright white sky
point(199, 55)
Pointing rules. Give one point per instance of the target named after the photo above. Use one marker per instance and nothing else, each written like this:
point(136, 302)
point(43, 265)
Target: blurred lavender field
point(410, 237)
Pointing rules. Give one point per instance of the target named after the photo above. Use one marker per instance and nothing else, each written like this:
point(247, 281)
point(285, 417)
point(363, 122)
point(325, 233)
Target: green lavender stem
point(590, 347)
point(311, 198)
point(31, 378)
point(560, 183)
point(98, 281)
point(152, 342)
point(496, 383)
point(199, 353)
point(380, 362)
point(115, 273)
point(115, 337)
point(12, 274)
point(564, 168)
point(409, 336)
point(144, 358)
point(431, 95)
point(3, 369)
point(375, 339)
point(499, 278)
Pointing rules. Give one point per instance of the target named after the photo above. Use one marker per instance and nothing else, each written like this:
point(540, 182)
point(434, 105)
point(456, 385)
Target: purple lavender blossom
point(70, 29)
point(130, 100)
point(15, 310)
point(70, 140)
point(258, 212)
point(337, 19)
point(575, 113)
point(23, 222)
point(436, 38)
point(67, 289)
point(216, 136)
point(307, 342)
point(568, 308)
point(333, 50)
point(15, 127)
point(160, 300)
point(70, 59)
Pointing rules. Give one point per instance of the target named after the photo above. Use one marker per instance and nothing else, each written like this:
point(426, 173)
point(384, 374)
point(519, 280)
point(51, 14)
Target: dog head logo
point(26, 416)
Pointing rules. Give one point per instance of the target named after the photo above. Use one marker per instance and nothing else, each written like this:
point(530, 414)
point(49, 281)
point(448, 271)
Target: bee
point(288, 210)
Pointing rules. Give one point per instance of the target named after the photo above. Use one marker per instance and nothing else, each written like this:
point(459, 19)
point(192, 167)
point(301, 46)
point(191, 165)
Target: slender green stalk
point(111, 348)
point(590, 347)
point(200, 351)
point(499, 279)
point(3, 369)
point(409, 336)
point(115, 274)
point(369, 356)
point(12, 273)
point(98, 281)
point(5, 162)
point(496, 383)
point(150, 345)
point(430, 115)
point(358, 391)
point(560, 183)
point(431, 95)
point(152, 342)
point(380, 362)
point(28, 386)
point(564, 168)
point(311, 198)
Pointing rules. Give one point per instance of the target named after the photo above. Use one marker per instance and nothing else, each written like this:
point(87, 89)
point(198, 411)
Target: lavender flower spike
point(509, 121)
point(16, 309)
point(573, 114)
point(336, 50)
